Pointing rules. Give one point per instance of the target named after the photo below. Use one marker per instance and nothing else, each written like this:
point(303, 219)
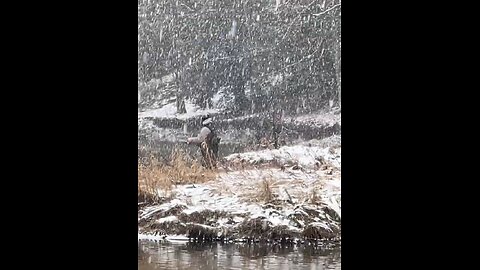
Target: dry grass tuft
point(156, 179)
point(314, 196)
point(266, 190)
point(314, 232)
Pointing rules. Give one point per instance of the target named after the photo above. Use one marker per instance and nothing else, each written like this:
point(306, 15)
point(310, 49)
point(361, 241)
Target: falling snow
point(269, 73)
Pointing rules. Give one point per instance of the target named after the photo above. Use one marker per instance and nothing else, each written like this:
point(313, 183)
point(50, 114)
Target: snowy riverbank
point(287, 194)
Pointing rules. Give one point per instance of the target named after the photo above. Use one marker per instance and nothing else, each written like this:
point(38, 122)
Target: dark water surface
point(165, 255)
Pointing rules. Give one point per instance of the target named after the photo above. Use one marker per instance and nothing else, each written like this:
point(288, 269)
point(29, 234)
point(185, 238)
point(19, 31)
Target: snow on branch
point(323, 12)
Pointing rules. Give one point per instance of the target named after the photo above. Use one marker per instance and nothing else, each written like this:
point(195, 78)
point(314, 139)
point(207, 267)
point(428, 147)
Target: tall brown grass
point(314, 195)
point(265, 193)
point(156, 179)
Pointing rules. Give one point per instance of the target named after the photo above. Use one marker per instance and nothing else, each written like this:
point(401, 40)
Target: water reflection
point(162, 255)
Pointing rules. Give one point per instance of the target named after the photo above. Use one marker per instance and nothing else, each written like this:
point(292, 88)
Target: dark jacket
point(208, 143)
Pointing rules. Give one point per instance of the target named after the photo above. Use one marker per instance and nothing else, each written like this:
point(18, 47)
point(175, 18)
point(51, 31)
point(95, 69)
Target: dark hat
point(205, 117)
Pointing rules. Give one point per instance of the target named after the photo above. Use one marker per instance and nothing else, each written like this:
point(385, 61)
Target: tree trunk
point(181, 104)
point(338, 65)
point(338, 71)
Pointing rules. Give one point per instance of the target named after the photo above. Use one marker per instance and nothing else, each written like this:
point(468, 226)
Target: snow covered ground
point(328, 118)
point(299, 197)
point(170, 111)
point(305, 156)
point(156, 124)
point(293, 191)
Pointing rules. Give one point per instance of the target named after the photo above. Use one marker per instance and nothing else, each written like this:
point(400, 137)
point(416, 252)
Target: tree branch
point(294, 19)
point(323, 12)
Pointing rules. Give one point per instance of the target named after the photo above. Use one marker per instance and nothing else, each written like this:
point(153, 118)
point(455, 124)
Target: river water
point(166, 255)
